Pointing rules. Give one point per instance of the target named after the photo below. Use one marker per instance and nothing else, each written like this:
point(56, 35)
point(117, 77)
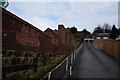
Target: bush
point(4, 53)
point(40, 74)
point(17, 53)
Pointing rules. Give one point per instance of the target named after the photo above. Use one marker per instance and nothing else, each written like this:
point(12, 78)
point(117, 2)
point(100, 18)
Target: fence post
point(66, 64)
point(71, 58)
point(49, 75)
point(74, 55)
point(70, 70)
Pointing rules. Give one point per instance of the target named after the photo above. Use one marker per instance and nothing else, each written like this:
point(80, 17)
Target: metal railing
point(65, 66)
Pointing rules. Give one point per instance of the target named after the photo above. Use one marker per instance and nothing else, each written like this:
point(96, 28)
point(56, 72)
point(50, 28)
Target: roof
point(48, 30)
point(51, 31)
point(88, 39)
point(102, 34)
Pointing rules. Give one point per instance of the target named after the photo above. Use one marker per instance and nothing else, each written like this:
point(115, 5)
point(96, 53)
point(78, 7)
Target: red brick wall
point(70, 40)
point(55, 39)
point(45, 44)
point(62, 33)
point(20, 35)
point(8, 33)
point(61, 39)
point(28, 37)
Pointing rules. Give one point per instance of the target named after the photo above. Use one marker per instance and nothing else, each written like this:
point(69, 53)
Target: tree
point(84, 34)
point(98, 30)
point(73, 29)
point(85, 31)
point(114, 32)
point(106, 28)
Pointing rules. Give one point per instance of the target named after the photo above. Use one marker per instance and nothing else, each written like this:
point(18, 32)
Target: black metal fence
point(65, 66)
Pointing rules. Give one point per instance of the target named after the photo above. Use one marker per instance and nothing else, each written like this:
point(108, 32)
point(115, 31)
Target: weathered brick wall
point(45, 44)
point(70, 40)
point(62, 39)
point(28, 36)
point(20, 35)
point(8, 35)
point(66, 38)
point(62, 33)
point(55, 40)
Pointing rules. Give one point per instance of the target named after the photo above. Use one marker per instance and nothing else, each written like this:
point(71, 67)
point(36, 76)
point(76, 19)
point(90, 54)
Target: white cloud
point(64, 0)
point(80, 14)
point(85, 15)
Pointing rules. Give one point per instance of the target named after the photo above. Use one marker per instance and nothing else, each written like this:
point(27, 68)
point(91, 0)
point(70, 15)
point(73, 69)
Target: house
point(101, 36)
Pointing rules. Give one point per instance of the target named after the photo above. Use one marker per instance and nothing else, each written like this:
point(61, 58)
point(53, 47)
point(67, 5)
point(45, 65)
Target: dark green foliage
point(40, 74)
point(106, 28)
point(77, 36)
point(98, 30)
point(4, 53)
point(17, 53)
point(84, 34)
point(85, 31)
point(13, 61)
point(44, 59)
point(10, 53)
point(114, 32)
point(73, 29)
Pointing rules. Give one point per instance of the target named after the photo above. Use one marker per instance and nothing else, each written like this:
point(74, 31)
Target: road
point(93, 63)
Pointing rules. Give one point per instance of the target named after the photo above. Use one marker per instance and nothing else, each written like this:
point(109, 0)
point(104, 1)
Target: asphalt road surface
point(93, 63)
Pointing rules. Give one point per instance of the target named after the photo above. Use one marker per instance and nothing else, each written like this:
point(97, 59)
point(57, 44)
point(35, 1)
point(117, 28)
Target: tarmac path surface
point(94, 63)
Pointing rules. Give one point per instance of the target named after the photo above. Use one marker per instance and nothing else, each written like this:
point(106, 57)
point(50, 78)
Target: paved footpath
point(93, 63)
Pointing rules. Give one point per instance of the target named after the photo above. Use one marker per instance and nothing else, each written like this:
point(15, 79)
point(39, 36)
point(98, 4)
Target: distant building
point(88, 40)
point(101, 36)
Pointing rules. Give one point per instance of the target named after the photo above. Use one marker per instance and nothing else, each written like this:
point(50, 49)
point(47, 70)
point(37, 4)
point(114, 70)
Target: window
point(105, 37)
point(98, 37)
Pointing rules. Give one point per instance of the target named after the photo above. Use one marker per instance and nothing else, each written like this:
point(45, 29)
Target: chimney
point(61, 26)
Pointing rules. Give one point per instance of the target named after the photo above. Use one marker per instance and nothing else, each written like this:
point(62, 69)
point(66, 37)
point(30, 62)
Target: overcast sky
point(79, 14)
